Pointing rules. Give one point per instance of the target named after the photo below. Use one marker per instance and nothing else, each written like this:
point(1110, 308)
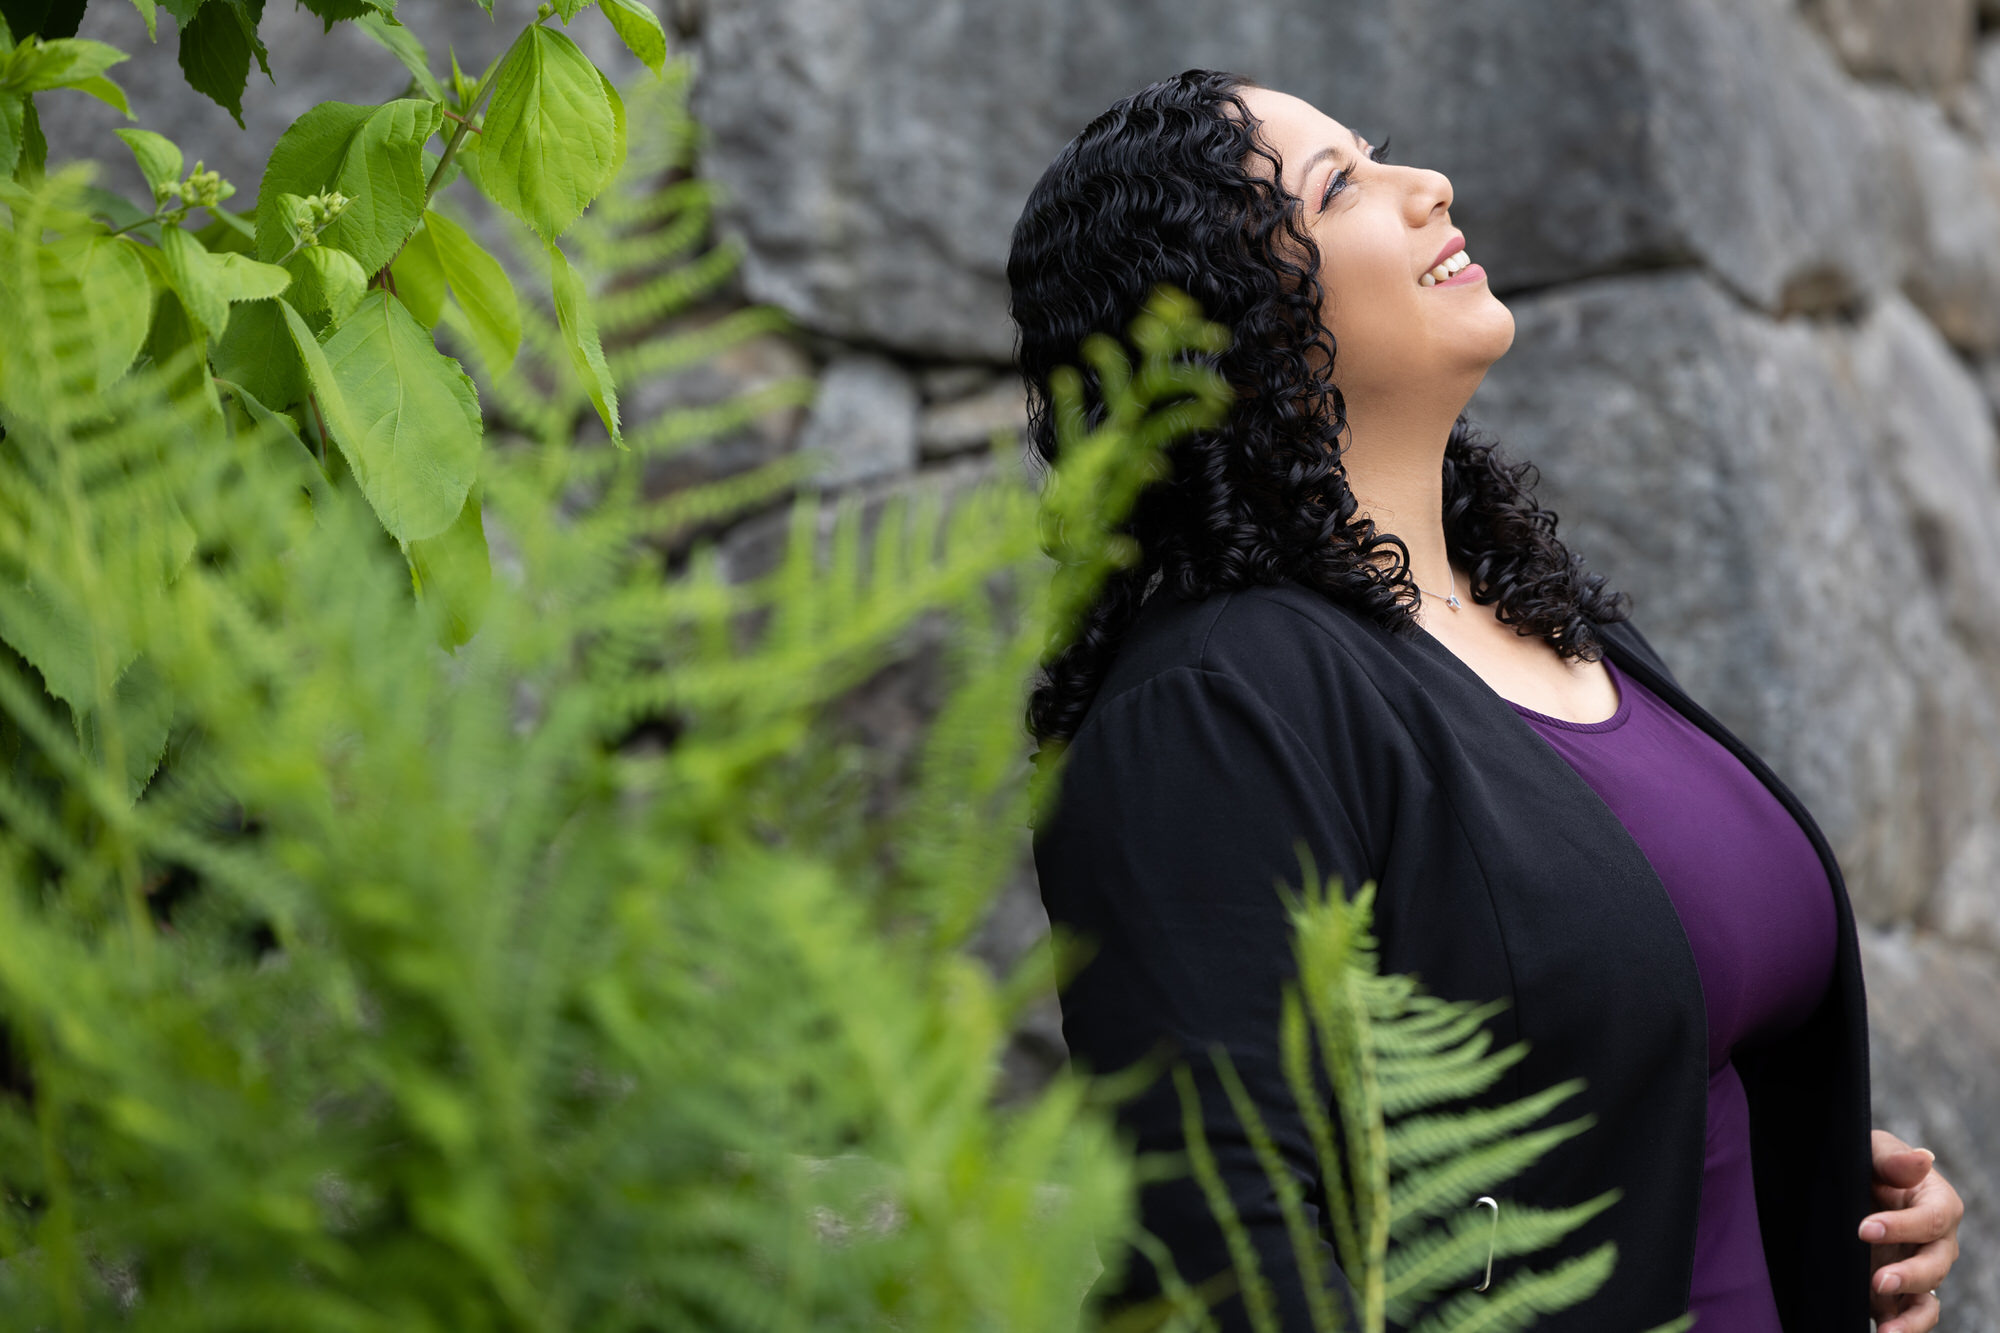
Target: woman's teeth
point(1454, 264)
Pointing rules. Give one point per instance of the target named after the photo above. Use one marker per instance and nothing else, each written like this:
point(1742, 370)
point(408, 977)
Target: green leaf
point(209, 283)
point(403, 45)
point(336, 281)
point(54, 638)
point(43, 18)
point(216, 49)
point(182, 10)
point(483, 289)
point(98, 301)
point(160, 158)
point(178, 344)
point(453, 575)
point(568, 9)
point(34, 145)
point(257, 352)
point(105, 91)
point(419, 277)
point(579, 332)
point(13, 113)
point(149, 12)
point(550, 143)
point(330, 12)
point(406, 418)
point(241, 278)
point(142, 710)
point(187, 263)
point(372, 154)
point(36, 66)
point(639, 28)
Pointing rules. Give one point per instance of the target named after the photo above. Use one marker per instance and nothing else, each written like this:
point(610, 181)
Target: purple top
point(1759, 916)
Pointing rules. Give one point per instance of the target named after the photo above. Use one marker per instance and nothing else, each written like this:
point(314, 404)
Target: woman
point(1351, 626)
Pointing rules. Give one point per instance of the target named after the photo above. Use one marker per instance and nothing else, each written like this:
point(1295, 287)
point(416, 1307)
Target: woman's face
point(1378, 234)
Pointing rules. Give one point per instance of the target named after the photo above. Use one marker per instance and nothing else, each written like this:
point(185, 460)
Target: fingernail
point(1873, 1230)
point(1929, 1156)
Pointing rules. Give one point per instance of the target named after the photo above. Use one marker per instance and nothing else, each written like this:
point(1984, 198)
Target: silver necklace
point(1452, 600)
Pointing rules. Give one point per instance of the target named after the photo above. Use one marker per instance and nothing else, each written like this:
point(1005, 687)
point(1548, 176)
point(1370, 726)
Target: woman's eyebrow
point(1360, 145)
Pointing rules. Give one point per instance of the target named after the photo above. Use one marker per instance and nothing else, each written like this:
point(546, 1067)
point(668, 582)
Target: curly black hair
point(1160, 190)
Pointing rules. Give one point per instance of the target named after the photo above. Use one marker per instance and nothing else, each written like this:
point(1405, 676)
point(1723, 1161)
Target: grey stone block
point(1805, 515)
point(864, 421)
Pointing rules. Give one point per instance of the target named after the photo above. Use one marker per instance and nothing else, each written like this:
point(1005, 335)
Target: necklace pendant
point(1452, 601)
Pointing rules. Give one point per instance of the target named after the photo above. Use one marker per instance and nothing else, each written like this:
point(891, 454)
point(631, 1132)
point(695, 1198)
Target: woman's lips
point(1470, 273)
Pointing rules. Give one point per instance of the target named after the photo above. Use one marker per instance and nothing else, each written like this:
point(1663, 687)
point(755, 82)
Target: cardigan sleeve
point(1181, 805)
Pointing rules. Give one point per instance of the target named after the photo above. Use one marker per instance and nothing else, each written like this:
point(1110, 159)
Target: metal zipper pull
point(1492, 1236)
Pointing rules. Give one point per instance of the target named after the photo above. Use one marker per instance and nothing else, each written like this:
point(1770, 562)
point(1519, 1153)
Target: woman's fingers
point(1919, 1272)
point(1920, 1317)
point(1928, 1215)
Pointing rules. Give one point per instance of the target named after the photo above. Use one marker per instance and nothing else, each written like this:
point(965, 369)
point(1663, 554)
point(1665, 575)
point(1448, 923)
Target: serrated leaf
point(453, 575)
point(149, 12)
point(550, 143)
point(12, 114)
point(34, 144)
point(160, 158)
point(98, 300)
point(54, 639)
point(579, 333)
point(419, 277)
point(330, 12)
point(639, 28)
point(403, 44)
point(142, 709)
point(37, 66)
point(216, 48)
point(483, 290)
point(187, 263)
point(105, 91)
point(241, 278)
point(406, 417)
point(337, 282)
point(209, 283)
point(256, 352)
point(372, 154)
point(178, 345)
point(568, 9)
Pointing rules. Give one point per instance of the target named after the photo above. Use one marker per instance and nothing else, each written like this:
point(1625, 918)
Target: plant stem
point(312, 400)
point(134, 226)
point(480, 91)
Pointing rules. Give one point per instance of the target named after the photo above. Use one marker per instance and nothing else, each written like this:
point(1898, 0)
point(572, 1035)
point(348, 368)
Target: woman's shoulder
point(1275, 643)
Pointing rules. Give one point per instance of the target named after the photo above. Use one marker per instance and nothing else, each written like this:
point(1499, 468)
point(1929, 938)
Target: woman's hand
point(1914, 1239)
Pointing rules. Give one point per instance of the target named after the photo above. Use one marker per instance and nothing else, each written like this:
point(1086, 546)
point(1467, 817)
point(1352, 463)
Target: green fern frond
point(1521, 1299)
point(1425, 1266)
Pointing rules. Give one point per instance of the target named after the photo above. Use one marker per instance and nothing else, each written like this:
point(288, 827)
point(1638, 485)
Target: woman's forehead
point(1295, 129)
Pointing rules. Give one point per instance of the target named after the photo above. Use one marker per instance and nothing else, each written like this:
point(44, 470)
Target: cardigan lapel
point(1815, 1290)
point(1810, 1199)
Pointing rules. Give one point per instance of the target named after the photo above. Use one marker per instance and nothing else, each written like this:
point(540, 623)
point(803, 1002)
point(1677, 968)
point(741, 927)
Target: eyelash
point(1380, 154)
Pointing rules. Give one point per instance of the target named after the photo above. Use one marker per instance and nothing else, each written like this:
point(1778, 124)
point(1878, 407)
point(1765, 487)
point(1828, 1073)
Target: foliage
point(1401, 1162)
point(296, 307)
point(570, 977)
point(423, 990)
point(557, 981)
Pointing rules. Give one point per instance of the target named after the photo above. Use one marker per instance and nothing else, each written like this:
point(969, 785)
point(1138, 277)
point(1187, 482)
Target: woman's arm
point(1182, 803)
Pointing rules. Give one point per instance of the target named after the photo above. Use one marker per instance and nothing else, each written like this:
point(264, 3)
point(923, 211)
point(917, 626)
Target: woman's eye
point(1339, 178)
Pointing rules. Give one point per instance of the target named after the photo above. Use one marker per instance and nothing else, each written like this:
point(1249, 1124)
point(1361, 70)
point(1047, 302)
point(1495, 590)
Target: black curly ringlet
point(1159, 190)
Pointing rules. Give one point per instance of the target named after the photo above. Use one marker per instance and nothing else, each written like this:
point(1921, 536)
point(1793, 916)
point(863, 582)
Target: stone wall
point(1753, 251)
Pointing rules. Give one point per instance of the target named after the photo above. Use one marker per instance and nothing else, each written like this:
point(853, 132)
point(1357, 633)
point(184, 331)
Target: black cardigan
point(1229, 727)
